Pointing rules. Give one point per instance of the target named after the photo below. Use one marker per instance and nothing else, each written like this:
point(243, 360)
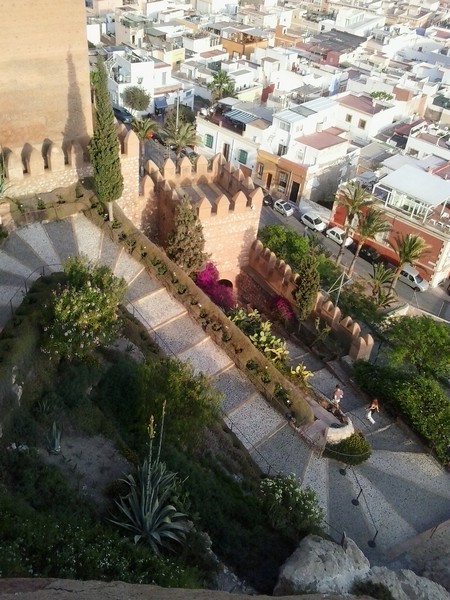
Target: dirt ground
point(89, 464)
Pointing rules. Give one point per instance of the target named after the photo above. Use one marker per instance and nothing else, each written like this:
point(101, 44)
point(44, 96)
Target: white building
point(236, 131)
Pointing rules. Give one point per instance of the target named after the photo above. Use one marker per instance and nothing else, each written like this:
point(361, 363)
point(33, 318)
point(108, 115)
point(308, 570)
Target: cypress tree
point(307, 285)
point(186, 243)
point(104, 145)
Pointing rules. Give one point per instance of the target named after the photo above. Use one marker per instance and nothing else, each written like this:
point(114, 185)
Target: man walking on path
point(337, 396)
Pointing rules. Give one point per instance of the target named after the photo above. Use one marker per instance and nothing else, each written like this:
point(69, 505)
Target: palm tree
point(184, 135)
point(222, 85)
point(409, 248)
point(353, 198)
point(144, 129)
point(370, 224)
point(382, 277)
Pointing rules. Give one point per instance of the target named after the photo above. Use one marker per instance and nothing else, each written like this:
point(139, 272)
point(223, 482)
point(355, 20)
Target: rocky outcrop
point(322, 566)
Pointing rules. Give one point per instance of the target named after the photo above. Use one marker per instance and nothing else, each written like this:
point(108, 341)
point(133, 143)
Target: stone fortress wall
point(228, 205)
point(281, 279)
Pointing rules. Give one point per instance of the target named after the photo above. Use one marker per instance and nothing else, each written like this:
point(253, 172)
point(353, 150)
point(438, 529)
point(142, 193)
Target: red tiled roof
point(321, 140)
point(362, 104)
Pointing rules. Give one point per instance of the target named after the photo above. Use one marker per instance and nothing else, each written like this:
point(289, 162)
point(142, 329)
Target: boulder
point(322, 566)
point(406, 585)
point(319, 566)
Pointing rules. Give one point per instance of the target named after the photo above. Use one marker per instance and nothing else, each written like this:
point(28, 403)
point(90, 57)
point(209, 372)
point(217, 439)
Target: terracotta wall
point(45, 89)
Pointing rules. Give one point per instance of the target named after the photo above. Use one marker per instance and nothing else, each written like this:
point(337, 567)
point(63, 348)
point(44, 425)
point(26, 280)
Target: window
point(260, 170)
point(284, 126)
point(242, 157)
point(164, 78)
point(209, 140)
point(282, 181)
point(362, 124)
point(281, 149)
point(348, 118)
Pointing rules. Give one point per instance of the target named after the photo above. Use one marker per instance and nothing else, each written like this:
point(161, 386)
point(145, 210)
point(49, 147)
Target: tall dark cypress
point(104, 145)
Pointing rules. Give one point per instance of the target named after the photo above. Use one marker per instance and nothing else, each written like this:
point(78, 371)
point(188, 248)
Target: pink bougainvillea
point(208, 280)
point(282, 310)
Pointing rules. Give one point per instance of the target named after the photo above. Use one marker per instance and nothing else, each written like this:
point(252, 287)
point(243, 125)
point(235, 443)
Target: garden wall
point(279, 276)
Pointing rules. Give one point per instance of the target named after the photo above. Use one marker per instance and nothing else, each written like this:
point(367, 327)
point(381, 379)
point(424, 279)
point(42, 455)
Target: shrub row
point(417, 399)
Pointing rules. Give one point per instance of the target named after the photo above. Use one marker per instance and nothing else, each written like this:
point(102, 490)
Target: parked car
point(268, 200)
point(338, 235)
point(367, 253)
point(411, 276)
point(191, 154)
point(122, 114)
point(284, 208)
point(312, 220)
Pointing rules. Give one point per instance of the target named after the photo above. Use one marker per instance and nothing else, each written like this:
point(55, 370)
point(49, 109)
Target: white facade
point(239, 150)
point(358, 22)
point(130, 68)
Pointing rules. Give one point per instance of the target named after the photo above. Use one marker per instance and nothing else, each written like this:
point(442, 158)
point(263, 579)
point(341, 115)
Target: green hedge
point(354, 450)
point(419, 400)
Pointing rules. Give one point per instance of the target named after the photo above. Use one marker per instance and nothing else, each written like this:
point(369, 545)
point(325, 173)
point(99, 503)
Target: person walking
point(374, 406)
point(337, 396)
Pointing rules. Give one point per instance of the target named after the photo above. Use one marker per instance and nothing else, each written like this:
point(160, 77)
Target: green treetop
point(185, 244)
point(104, 145)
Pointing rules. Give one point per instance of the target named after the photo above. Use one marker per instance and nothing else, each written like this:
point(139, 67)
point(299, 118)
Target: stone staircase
point(399, 492)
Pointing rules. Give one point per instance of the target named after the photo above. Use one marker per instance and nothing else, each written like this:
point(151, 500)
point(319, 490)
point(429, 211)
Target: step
point(206, 358)
point(88, 237)
point(315, 475)
point(142, 286)
point(10, 264)
point(37, 238)
point(63, 238)
point(180, 334)
point(157, 308)
point(283, 452)
point(254, 420)
point(109, 252)
point(127, 267)
point(235, 387)
point(16, 247)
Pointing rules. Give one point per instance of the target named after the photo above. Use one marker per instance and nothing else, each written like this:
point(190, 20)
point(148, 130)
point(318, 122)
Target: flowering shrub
point(291, 509)
point(83, 312)
point(282, 310)
point(259, 332)
point(208, 280)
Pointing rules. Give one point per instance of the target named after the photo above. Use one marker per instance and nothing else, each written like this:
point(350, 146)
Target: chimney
point(319, 127)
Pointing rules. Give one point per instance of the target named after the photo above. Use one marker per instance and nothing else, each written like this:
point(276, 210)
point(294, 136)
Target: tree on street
point(104, 145)
point(180, 137)
point(371, 223)
point(136, 98)
point(221, 86)
point(185, 244)
point(421, 342)
point(409, 248)
point(353, 198)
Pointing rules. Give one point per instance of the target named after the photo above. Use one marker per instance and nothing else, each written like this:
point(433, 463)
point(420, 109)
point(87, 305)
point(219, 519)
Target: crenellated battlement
point(280, 277)
point(34, 169)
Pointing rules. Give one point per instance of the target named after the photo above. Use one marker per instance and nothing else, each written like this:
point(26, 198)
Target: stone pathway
point(400, 490)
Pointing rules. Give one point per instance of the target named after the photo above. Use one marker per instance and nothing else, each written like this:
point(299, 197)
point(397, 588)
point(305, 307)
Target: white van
point(313, 221)
point(411, 277)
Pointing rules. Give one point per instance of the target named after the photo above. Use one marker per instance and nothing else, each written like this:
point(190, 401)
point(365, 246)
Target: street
point(434, 301)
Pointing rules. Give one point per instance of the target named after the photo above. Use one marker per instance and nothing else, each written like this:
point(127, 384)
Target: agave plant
point(54, 440)
point(146, 510)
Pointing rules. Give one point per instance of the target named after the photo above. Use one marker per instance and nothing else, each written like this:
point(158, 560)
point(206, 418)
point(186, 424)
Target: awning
point(239, 116)
point(160, 103)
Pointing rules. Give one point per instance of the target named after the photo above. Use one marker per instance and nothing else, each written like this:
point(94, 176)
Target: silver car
point(284, 208)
